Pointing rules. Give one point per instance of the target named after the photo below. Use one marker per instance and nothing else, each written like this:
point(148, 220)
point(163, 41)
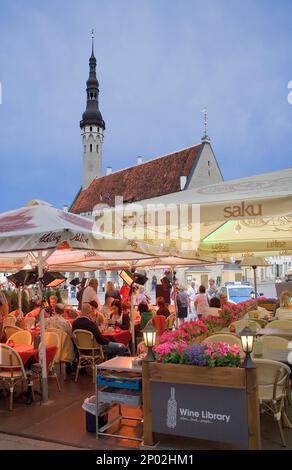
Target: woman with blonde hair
point(111, 291)
point(285, 310)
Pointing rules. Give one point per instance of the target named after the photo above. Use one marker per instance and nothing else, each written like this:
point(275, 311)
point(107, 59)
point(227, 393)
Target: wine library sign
point(217, 405)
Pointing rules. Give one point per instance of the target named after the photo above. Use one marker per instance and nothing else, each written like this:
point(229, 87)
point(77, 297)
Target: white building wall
point(207, 170)
point(92, 140)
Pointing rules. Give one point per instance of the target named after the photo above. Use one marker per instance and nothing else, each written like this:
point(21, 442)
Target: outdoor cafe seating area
point(21, 373)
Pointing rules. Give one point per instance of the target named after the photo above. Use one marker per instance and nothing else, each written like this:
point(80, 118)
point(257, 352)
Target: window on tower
point(84, 148)
point(97, 148)
point(90, 128)
point(90, 147)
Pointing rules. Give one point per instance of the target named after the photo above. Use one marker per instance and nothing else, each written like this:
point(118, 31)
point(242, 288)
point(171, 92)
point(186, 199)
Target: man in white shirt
point(192, 292)
point(90, 293)
point(212, 290)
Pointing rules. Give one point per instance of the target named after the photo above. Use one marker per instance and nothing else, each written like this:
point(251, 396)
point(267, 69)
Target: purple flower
point(196, 355)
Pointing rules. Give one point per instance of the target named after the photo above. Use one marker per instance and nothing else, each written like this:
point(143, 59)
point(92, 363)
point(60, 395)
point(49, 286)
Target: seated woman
point(119, 316)
point(214, 308)
point(106, 308)
point(285, 310)
point(162, 308)
point(145, 313)
point(97, 316)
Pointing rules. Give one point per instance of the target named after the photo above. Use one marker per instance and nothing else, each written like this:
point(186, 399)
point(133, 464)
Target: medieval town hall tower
point(92, 128)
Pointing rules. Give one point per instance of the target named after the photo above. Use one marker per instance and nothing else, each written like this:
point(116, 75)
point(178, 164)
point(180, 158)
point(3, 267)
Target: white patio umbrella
point(39, 229)
point(247, 215)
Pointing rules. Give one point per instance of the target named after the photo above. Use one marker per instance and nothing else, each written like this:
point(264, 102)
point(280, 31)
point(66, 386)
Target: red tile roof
point(142, 181)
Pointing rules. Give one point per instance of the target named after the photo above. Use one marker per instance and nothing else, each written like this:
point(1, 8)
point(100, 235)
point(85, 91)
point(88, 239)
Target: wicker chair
point(261, 322)
point(10, 330)
point(224, 337)
point(240, 324)
point(14, 313)
point(272, 379)
point(52, 339)
point(11, 370)
point(9, 321)
point(170, 321)
point(274, 342)
point(89, 351)
point(282, 324)
point(29, 323)
point(257, 315)
point(21, 337)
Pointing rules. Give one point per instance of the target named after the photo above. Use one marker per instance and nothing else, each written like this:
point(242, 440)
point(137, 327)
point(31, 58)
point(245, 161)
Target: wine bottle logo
point(171, 410)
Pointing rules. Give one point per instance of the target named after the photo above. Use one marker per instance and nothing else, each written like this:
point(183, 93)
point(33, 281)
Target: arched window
point(90, 128)
point(90, 147)
point(84, 148)
point(97, 148)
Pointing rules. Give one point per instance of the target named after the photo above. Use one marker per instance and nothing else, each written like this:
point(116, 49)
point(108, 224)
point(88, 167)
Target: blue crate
point(119, 382)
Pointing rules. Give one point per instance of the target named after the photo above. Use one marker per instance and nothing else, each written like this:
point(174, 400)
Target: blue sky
point(159, 63)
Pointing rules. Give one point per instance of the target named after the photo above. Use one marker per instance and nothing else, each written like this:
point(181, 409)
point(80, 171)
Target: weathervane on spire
point(205, 113)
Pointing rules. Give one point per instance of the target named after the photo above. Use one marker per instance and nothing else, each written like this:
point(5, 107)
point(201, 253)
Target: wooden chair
point(89, 351)
point(272, 377)
point(10, 330)
point(21, 337)
point(11, 370)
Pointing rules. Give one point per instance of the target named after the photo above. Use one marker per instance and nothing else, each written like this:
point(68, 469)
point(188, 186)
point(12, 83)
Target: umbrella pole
point(42, 353)
point(133, 321)
point(255, 285)
point(174, 298)
point(19, 303)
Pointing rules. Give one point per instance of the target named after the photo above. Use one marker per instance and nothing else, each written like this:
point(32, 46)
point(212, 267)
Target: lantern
point(149, 337)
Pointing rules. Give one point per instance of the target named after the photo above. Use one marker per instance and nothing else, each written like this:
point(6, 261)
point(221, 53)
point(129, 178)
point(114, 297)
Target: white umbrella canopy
point(43, 228)
point(247, 215)
point(74, 260)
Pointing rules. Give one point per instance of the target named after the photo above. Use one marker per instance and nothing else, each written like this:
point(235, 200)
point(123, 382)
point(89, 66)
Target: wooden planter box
point(218, 404)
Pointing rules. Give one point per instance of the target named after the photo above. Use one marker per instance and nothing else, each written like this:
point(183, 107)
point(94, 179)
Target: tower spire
point(205, 137)
point(92, 42)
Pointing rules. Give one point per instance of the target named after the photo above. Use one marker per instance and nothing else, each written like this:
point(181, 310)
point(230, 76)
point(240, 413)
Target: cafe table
point(118, 335)
point(25, 352)
point(31, 354)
